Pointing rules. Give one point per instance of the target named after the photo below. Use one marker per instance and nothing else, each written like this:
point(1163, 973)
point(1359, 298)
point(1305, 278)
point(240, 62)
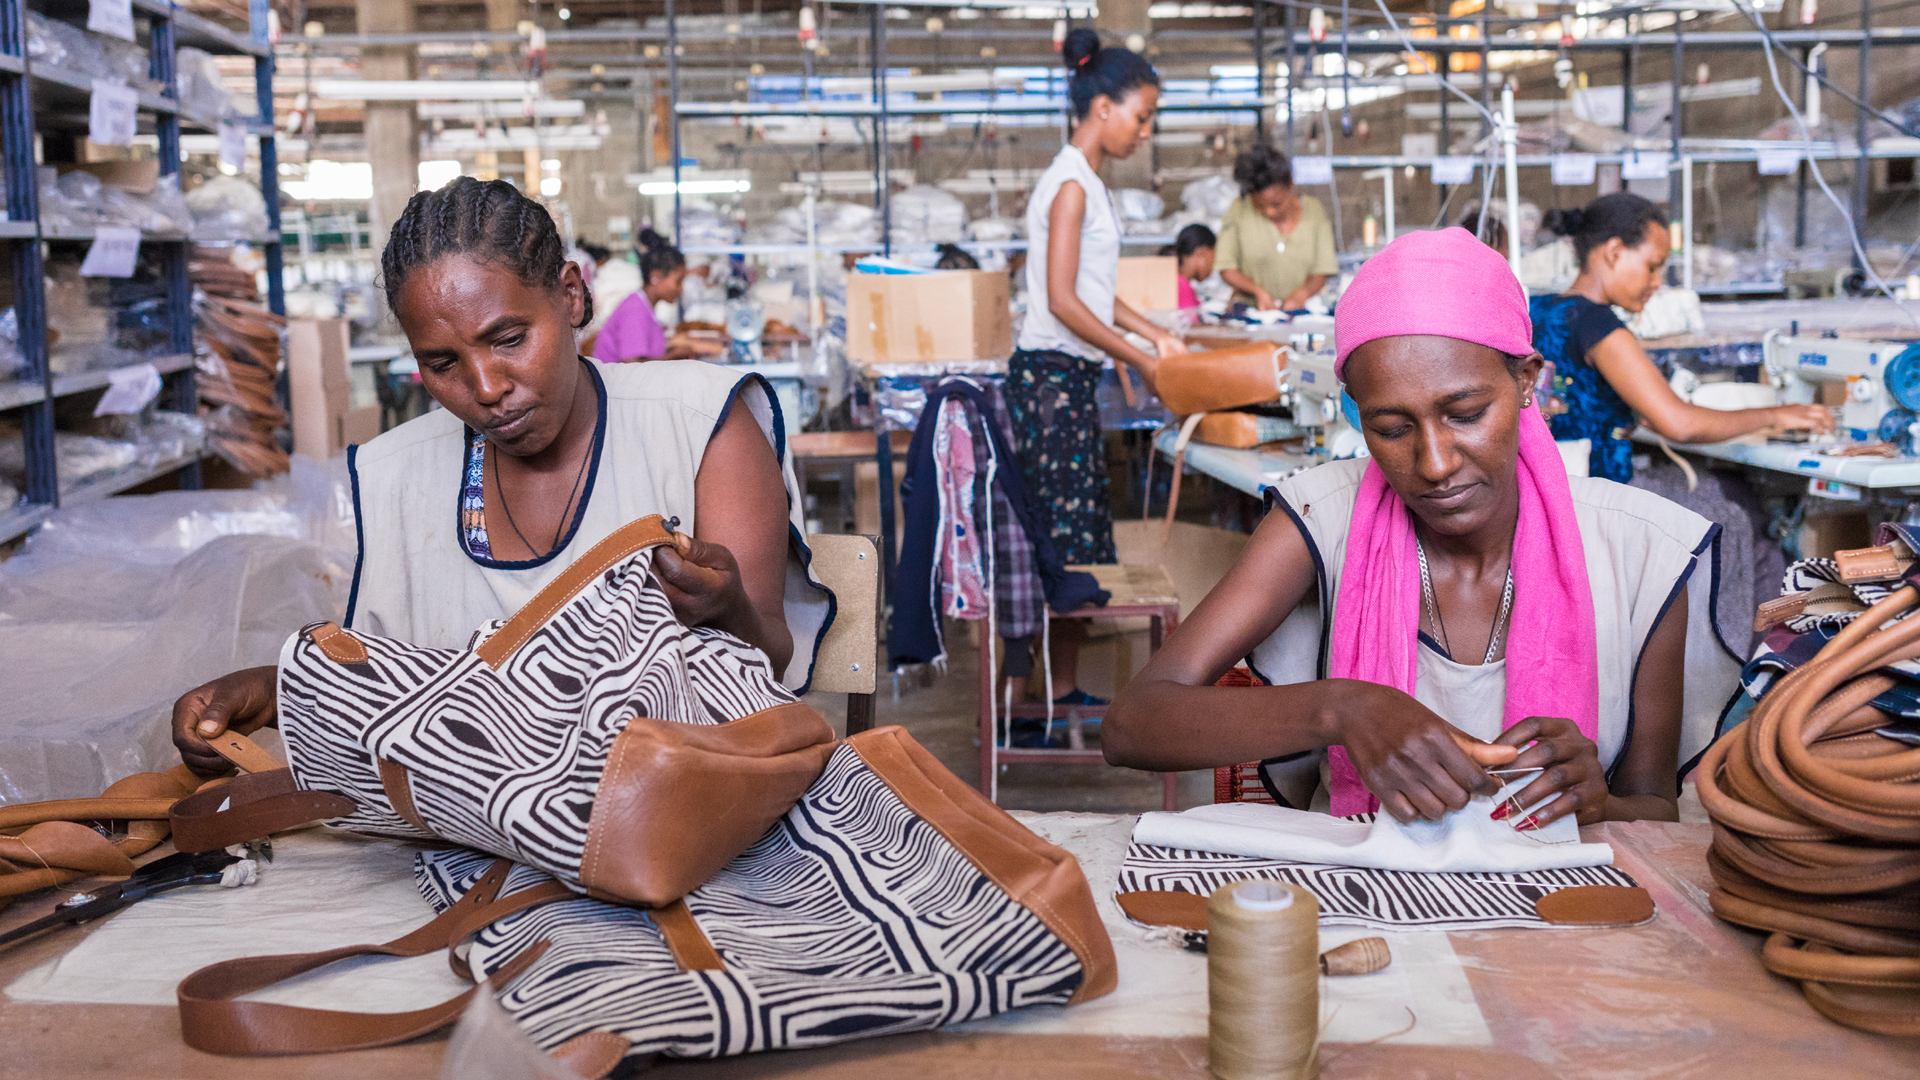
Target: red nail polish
point(1500, 813)
point(1528, 822)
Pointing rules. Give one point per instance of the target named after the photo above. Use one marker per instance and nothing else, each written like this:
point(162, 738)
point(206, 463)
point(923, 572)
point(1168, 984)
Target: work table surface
point(1683, 996)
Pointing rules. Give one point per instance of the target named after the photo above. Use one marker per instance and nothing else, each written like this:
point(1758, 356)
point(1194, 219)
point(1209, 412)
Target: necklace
point(1433, 605)
point(572, 493)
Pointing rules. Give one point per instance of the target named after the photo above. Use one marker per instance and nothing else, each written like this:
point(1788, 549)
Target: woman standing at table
point(1074, 323)
point(1620, 243)
point(1276, 245)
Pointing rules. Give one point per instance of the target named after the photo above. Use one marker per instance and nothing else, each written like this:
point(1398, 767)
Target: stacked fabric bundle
point(239, 346)
point(1816, 800)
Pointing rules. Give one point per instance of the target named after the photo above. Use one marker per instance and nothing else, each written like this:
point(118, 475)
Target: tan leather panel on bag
point(1044, 879)
point(593, 1055)
point(1888, 562)
point(1215, 379)
point(399, 790)
point(698, 795)
point(649, 531)
point(691, 948)
point(337, 645)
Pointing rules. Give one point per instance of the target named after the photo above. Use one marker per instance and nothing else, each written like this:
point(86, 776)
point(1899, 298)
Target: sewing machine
point(1314, 393)
point(1881, 381)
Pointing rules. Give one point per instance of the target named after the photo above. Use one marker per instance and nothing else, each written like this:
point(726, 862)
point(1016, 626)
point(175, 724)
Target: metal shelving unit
point(38, 97)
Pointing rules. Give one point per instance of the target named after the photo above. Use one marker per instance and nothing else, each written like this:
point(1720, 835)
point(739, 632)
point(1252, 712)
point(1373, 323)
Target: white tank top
point(1099, 256)
point(415, 580)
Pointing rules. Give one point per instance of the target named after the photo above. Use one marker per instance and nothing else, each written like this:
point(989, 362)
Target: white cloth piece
point(1465, 841)
point(1099, 256)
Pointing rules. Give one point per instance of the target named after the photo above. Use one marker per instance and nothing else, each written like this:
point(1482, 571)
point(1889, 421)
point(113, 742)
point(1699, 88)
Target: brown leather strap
point(649, 531)
point(688, 943)
point(251, 806)
point(393, 777)
point(211, 1020)
point(544, 893)
point(248, 755)
point(19, 817)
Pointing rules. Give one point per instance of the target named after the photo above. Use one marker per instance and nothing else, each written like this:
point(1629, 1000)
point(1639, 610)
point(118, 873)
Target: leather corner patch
point(1596, 905)
point(1158, 907)
point(337, 645)
point(593, 1055)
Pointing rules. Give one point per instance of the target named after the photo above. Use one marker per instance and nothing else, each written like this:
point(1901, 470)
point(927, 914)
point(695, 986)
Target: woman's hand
point(1167, 344)
point(1416, 764)
point(1802, 418)
point(1573, 778)
point(703, 581)
point(244, 701)
point(1263, 301)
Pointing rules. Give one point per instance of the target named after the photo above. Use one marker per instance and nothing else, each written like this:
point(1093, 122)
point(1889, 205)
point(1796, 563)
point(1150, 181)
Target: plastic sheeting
point(116, 608)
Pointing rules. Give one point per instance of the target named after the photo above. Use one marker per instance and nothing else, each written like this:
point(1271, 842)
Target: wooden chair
point(849, 659)
point(1137, 591)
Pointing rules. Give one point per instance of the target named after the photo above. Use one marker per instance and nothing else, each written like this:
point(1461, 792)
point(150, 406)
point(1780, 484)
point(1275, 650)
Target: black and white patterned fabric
point(508, 761)
point(1375, 899)
point(852, 917)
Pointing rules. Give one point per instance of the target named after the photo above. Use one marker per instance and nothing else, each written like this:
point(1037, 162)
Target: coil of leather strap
point(1816, 827)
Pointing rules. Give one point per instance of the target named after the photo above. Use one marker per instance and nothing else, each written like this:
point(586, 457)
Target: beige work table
point(1683, 996)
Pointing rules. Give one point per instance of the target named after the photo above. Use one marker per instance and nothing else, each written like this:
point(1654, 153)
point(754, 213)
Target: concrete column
point(1118, 19)
point(392, 133)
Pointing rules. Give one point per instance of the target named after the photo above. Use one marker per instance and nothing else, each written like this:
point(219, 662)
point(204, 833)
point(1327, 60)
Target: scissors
point(161, 875)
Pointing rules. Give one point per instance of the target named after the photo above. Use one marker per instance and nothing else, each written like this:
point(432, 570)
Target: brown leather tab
point(1826, 598)
point(400, 793)
point(249, 807)
point(649, 531)
point(1045, 879)
point(244, 752)
point(337, 645)
point(593, 1055)
point(546, 892)
point(1596, 905)
point(211, 1020)
point(1887, 562)
point(1779, 610)
point(1160, 907)
point(688, 943)
point(700, 794)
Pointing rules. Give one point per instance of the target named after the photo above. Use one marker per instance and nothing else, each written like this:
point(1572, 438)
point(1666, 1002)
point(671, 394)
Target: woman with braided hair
point(538, 454)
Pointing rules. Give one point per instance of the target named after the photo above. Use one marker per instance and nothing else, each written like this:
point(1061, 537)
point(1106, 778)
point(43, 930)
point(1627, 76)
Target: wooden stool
point(1137, 591)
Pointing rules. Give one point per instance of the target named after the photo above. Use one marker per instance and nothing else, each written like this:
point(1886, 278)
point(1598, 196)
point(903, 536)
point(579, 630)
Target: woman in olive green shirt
point(1276, 246)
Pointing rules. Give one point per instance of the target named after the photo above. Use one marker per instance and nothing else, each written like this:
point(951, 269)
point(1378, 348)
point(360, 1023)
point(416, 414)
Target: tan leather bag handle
point(212, 1020)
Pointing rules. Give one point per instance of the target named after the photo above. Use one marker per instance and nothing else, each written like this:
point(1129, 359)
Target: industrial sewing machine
point(1877, 382)
point(1314, 393)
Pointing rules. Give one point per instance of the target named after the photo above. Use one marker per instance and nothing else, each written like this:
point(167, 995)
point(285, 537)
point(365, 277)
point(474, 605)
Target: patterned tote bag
point(801, 892)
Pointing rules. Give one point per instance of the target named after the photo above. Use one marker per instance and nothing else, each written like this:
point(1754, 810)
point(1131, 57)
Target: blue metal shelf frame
point(33, 396)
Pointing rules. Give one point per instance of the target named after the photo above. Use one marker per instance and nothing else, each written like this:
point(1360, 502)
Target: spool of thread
point(1263, 981)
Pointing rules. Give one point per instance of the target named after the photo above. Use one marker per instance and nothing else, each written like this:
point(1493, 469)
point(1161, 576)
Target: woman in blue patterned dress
point(1620, 242)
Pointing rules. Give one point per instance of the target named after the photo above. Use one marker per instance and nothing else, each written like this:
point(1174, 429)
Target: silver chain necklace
point(1433, 606)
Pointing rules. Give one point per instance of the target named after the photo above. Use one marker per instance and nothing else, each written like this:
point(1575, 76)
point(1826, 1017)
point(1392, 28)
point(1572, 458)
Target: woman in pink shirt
point(631, 332)
point(1194, 248)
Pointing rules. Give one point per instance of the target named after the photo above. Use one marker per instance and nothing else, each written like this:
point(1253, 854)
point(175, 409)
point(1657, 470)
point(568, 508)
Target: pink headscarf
point(1449, 284)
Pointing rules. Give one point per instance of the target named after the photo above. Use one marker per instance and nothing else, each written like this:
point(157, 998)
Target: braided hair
point(1095, 72)
point(489, 219)
point(657, 256)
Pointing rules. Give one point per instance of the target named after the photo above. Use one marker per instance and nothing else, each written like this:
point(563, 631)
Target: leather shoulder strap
point(211, 1020)
point(261, 801)
point(647, 532)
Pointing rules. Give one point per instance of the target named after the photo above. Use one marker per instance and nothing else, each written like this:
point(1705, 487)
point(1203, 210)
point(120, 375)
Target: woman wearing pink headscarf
point(1455, 603)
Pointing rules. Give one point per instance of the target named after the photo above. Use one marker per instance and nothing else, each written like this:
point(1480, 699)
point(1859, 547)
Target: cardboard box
point(1149, 283)
point(944, 315)
point(324, 420)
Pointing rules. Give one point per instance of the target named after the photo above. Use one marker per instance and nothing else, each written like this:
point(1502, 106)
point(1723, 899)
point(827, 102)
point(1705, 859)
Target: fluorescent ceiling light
point(550, 186)
point(508, 109)
point(425, 90)
point(697, 187)
point(434, 175)
point(332, 180)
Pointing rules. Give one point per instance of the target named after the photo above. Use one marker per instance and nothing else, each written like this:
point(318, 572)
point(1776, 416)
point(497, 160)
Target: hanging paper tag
point(111, 17)
point(1779, 162)
point(233, 146)
point(1572, 169)
point(1312, 170)
point(1644, 166)
point(129, 389)
point(110, 119)
point(1453, 170)
point(112, 252)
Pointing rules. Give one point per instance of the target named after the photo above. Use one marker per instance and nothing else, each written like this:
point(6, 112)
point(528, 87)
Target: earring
point(1528, 403)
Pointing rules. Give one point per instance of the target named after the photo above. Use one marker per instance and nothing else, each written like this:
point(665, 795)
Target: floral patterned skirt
point(1063, 457)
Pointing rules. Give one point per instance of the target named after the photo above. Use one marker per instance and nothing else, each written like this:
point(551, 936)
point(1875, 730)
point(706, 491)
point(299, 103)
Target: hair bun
point(1082, 44)
point(1564, 221)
